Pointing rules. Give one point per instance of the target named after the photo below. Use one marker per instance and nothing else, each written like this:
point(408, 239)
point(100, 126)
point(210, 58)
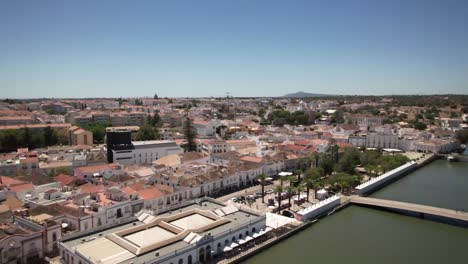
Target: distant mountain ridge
point(304, 94)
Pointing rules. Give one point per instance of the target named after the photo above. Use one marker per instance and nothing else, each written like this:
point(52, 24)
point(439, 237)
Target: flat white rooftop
point(104, 251)
point(151, 142)
point(149, 236)
point(193, 221)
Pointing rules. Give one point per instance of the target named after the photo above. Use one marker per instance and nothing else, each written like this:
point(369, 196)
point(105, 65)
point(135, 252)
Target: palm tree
point(309, 184)
point(299, 172)
point(315, 159)
point(262, 178)
point(278, 191)
point(299, 189)
point(290, 190)
point(290, 179)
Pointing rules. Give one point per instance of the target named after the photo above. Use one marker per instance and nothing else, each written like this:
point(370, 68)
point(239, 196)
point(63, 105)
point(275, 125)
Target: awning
point(226, 249)
point(256, 235)
point(248, 238)
point(233, 245)
point(285, 173)
point(268, 179)
point(242, 241)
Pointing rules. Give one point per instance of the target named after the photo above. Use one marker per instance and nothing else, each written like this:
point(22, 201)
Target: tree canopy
point(190, 135)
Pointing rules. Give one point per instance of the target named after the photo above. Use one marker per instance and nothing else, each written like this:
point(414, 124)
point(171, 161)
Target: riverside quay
point(195, 232)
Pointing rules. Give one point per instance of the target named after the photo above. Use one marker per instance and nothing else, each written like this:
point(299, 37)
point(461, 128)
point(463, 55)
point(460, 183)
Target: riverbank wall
point(387, 178)
point(314, 211)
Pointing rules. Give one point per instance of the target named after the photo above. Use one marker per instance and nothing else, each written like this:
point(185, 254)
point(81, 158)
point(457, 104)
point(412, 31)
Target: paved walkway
point(247, 251)
point(244, 192)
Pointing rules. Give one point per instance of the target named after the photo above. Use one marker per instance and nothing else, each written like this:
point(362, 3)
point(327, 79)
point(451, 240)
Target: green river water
point(362, 235)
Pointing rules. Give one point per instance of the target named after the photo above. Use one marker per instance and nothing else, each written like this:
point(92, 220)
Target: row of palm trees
point(310, 180)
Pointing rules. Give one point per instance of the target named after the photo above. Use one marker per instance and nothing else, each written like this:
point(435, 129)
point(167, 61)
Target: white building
point(145, 152)
point(194, 232)
point(379, 140)
point(435, 146)
point(357, 141)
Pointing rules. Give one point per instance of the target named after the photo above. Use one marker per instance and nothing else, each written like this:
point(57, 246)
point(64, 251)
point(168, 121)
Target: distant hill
point(304, 94)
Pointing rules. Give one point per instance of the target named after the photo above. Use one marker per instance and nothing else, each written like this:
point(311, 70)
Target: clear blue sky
point(245, 47)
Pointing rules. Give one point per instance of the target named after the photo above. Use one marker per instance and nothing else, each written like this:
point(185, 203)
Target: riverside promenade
point(443, 215)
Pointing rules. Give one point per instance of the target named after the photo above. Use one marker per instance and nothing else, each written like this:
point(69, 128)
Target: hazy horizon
point(247, 48)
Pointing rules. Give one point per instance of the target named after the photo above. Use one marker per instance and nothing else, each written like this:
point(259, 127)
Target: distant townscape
point(195, 180)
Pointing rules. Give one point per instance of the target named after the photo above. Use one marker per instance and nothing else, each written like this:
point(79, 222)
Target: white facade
point(146, 152)
point(377, 140)
point(435, 146)
point(357, 141)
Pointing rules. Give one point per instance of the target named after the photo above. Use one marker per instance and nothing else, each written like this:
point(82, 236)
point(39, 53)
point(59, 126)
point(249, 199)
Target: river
point(362, 235)
point(440, 183)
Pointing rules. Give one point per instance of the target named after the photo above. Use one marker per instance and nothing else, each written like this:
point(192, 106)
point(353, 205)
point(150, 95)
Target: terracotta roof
point(350, 127)
point(292, 147)
point(150, 193)
point(22, 187)
point(64, 179)
point(60, 125)
point(4, 180)
point(29, 160)
point(95, 168)
point(91, 188)
point(252, 159)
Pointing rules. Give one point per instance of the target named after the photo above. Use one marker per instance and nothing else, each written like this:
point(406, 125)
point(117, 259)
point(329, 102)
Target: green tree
point(299, 188)
point(155, 96)
point(420, 125)
point(333, 151)
point(147, 132)
point(26, 138)
point(155, 120)
point(348, 161)
point(190, 135)
point(462, 136)
point(342, 181)
point(337, 117)
point(98, 129)
point(278, 190)
point(309, 183)
point(262, 178)
point(290, 190)
point(326, 164)
point(50, 136)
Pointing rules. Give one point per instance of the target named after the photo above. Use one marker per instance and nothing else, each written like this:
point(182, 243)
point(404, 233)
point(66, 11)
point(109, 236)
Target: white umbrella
point(256, 235)
point(226, 249)
point(233, 245)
